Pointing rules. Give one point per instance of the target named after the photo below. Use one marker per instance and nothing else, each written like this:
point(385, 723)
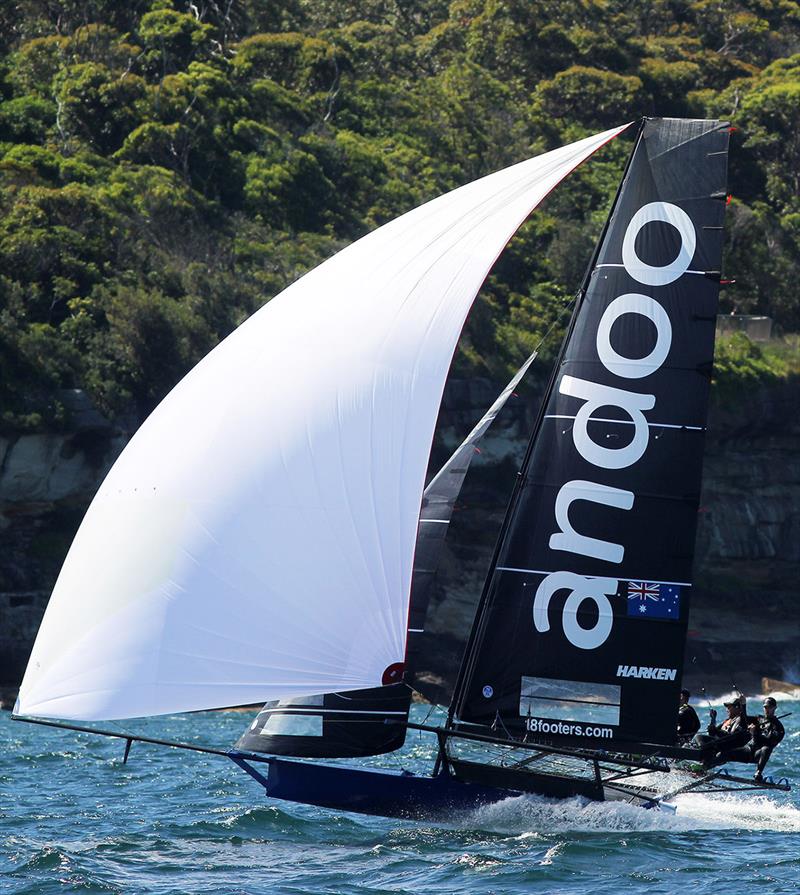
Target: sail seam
point(599, 419)
point(701, 273)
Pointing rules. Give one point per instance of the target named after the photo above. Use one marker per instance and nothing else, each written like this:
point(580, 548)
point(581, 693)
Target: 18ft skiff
point(265, 535)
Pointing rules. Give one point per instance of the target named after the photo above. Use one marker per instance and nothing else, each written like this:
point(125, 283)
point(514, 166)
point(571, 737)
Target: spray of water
point(534, 815)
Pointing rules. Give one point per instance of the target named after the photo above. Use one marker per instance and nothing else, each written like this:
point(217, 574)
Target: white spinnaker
point(255, 538)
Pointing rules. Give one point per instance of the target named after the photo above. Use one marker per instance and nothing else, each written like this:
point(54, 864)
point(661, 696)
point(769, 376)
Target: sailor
point(688, 722)
point(766, 732)
point(721, 738)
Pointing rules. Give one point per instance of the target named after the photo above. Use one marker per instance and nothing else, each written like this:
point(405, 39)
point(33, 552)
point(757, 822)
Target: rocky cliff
point(46, 482)
point(746, 608)
point(744, 613)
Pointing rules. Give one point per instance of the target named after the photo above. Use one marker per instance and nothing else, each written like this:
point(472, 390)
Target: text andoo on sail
point(256, 539)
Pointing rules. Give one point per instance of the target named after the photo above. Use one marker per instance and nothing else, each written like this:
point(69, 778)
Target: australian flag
point(647, 599)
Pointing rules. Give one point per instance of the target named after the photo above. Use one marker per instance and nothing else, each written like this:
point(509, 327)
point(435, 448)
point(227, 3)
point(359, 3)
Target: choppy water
point(73, 818)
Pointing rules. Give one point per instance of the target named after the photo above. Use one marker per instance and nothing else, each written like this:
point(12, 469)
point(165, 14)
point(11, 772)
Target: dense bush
point(168, 167)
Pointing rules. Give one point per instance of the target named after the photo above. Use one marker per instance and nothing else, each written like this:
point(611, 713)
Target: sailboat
point(267, 537)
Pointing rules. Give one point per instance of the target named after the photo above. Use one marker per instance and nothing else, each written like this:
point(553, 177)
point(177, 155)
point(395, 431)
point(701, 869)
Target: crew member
point(766, 732)
point(721, 738)
point(688, 722)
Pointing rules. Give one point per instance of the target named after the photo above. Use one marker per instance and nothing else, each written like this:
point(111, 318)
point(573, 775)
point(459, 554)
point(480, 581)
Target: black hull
point(553, 786)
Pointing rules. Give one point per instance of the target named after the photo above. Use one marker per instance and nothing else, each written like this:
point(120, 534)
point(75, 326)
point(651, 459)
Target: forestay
point(255, 539)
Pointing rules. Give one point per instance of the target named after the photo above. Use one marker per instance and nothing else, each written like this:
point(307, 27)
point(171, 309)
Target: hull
point(383, 793)
point(555, 786)
point(467, 787)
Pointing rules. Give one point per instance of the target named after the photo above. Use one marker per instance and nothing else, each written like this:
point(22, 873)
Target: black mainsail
point(580, 633)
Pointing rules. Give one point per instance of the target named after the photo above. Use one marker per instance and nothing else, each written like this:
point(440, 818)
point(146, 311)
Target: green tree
point(97, 106)
point(594, 97)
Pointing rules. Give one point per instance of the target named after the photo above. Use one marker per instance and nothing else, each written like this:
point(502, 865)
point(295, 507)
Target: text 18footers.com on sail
point(537, 725)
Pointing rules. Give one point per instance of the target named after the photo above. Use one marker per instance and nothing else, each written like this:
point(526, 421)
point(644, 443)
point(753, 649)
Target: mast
point(581, 627)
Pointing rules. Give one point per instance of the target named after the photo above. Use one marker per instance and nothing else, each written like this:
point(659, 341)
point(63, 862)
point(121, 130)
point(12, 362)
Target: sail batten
point(268, 507)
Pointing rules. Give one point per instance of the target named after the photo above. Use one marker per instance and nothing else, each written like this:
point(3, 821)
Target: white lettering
point(646, 273)
point(597, 396)
point(644, 306)
point(537, 725)
point(581, 588)
point(646, 673)
point(594, 398)
point(568, 539)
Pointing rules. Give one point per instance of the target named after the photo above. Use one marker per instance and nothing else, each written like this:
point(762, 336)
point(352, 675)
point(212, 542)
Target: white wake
point(537, 815)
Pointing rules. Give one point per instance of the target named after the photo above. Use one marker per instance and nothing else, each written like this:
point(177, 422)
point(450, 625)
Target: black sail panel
point(582, 627)
point(429, 669)
point(336, 725)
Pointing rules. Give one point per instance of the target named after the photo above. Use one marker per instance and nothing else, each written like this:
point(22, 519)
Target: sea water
point(74, 818)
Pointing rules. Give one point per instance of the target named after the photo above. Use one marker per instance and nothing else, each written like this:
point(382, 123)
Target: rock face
point(744, 612)
point(46, 483)
point(746, 607)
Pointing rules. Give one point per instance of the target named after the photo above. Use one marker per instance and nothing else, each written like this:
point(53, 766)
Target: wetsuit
point(764, 738)
point(688, 722)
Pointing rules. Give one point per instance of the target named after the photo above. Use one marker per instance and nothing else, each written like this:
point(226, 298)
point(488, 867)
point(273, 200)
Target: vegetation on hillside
point(741, 363)
point(168, 167)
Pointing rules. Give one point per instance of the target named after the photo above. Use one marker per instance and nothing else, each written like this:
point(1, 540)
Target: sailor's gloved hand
point(713, 714)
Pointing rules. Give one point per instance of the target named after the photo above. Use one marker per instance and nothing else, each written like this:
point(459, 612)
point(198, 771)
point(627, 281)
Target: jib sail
point(581, 629)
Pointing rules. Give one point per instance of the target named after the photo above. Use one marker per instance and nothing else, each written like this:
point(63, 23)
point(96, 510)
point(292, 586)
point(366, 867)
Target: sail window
point(295, 701)
point(292, 725)
point(542, 697)
point(292, 721)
